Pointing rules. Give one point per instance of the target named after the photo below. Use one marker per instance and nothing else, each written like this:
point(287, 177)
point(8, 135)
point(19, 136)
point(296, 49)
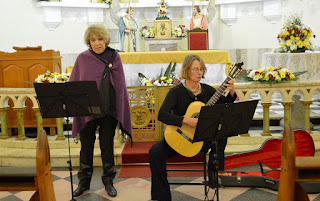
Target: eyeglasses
point(197, 70)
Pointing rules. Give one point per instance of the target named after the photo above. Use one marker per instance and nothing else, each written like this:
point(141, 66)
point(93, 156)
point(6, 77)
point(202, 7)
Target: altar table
point(307, 61)
point(151, 63)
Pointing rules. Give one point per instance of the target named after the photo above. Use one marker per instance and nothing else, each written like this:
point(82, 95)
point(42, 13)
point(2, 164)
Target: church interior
point(40, 157)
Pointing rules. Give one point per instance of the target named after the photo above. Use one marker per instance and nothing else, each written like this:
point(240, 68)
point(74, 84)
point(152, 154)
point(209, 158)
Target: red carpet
point(139, 153)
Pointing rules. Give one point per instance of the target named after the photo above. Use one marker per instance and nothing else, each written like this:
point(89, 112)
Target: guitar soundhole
point(195, 115)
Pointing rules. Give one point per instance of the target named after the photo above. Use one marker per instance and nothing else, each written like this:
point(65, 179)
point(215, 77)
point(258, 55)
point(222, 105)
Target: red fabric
point(129, 171)
point(270, 152)
point(198, 40)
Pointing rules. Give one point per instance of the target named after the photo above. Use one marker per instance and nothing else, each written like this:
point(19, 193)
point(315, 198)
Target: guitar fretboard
point(218, 93)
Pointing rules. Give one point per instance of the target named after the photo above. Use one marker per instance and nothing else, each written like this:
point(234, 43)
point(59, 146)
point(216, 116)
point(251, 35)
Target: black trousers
point(107, 126)
point(159, 153)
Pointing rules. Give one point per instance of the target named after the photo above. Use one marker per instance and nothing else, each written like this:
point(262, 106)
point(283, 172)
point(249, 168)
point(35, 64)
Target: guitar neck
point(218, 93)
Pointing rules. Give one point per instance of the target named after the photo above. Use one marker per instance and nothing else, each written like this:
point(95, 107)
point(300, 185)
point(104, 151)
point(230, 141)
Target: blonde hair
point(128, 9)
point(99, 30)
point(186, 65)
point(197, 8)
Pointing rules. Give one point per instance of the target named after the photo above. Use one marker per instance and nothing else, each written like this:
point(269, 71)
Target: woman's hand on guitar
point(192, 122)
point(230, 87)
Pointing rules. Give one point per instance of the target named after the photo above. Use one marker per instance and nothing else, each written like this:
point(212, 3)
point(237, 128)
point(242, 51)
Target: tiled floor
point(138, 189)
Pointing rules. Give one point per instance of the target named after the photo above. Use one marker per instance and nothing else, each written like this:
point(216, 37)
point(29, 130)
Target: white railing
point(244, 91)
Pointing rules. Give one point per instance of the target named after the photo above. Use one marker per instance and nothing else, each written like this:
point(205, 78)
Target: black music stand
point(70, 99)
point(221, 121)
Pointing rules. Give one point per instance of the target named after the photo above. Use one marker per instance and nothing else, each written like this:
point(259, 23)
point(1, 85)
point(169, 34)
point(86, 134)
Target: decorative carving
point(140, 116)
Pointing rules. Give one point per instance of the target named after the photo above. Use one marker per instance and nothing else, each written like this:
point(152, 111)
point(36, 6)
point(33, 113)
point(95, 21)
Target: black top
point(179, 98)
point(107, 91)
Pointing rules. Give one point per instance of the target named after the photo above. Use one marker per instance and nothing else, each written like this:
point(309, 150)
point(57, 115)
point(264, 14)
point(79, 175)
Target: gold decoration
point(140, 116)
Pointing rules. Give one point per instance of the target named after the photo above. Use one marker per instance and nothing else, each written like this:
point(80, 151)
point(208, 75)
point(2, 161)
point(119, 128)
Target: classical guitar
point(181, 138)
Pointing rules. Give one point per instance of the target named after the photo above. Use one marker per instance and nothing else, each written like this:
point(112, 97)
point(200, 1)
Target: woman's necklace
point(195, 91)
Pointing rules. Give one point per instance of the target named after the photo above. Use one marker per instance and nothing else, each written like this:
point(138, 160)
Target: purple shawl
point(89, 68)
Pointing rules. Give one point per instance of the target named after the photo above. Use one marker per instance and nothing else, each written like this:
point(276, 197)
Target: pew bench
point(36, 179)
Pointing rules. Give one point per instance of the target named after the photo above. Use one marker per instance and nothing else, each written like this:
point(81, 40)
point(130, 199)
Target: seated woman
point(172, 112)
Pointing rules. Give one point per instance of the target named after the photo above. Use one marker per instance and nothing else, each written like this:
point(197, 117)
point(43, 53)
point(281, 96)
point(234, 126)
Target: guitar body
point(179, 143)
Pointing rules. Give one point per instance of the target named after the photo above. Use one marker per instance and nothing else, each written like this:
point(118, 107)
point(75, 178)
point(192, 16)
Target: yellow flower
point(292, 37)
point(309, 35)
point(260, 70)
point(292, 76)
point(149, 83)
point(292, 32)
point(297, 38)
point(266, 77)
point(282, 74)
point(305, 32)
point(271, 68)
point(286, 33)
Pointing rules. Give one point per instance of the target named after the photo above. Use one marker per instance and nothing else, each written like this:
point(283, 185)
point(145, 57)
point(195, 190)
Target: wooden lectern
point(198, 39)
point(25, 65)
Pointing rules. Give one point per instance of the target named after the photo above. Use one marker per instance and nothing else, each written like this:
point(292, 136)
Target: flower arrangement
point(107, 1)
point(146, 32)
point(180, 31)
point(49, 77)
point(272, 74)
point(162, 10)
point(295, 36)
point(168, 78)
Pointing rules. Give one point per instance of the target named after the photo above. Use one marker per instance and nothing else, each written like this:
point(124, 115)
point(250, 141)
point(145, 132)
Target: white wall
point(22, 25)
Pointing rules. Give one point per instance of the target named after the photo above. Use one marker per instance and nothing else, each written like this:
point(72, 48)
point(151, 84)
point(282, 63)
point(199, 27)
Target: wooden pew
point(295, 169)
point(30, 178)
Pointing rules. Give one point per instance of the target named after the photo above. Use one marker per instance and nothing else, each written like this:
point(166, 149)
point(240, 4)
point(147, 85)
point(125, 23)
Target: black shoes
point(112, 192)
point(80, 190)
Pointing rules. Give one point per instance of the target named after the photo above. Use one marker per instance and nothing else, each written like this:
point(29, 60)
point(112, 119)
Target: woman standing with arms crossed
point(102, 64)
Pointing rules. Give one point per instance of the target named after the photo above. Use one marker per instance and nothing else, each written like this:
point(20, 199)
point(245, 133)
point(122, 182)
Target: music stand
point(221, 121)
point(70, 99)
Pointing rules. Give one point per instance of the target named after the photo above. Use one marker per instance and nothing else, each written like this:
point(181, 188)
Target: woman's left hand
point(230, 87)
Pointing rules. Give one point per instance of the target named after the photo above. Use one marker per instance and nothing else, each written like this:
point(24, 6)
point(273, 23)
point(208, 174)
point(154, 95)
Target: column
point(60, 129)
point(4, 128)
point(20, 116)
point(266, 120)
point(307, 116)
point(286, 108)
point(39, 119)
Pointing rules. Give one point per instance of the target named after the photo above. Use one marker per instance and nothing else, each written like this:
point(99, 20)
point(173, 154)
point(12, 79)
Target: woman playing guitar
point(172, 112)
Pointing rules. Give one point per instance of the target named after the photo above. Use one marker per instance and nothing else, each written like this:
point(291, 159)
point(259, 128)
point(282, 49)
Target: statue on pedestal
point(127, 26)
point(200, 21)
point(127, 29)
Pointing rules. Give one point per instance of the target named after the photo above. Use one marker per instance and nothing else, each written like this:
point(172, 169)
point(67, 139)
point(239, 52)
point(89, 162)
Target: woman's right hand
point(192, 122)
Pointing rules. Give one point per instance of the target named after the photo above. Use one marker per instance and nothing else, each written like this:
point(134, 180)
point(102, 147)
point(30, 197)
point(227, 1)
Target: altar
point(165, 44)
point(151, 63)
point(307, 61)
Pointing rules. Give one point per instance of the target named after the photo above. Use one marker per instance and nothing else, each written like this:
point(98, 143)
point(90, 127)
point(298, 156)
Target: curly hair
point(99, 30)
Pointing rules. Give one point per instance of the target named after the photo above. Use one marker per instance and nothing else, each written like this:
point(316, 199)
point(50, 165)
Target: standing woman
point(172, 112)
point(128, 28)
point(102, 64)
point(198, 20)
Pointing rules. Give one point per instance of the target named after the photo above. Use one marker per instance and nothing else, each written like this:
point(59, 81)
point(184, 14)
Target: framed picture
point(162, 28)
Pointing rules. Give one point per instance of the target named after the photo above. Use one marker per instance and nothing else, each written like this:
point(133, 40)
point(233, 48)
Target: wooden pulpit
point(198, 39)
point(25, 65)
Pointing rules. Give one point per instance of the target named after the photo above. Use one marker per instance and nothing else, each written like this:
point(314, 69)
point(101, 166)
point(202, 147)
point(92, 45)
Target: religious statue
point(200, 21)
point(127, 26)
point(127, 29)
